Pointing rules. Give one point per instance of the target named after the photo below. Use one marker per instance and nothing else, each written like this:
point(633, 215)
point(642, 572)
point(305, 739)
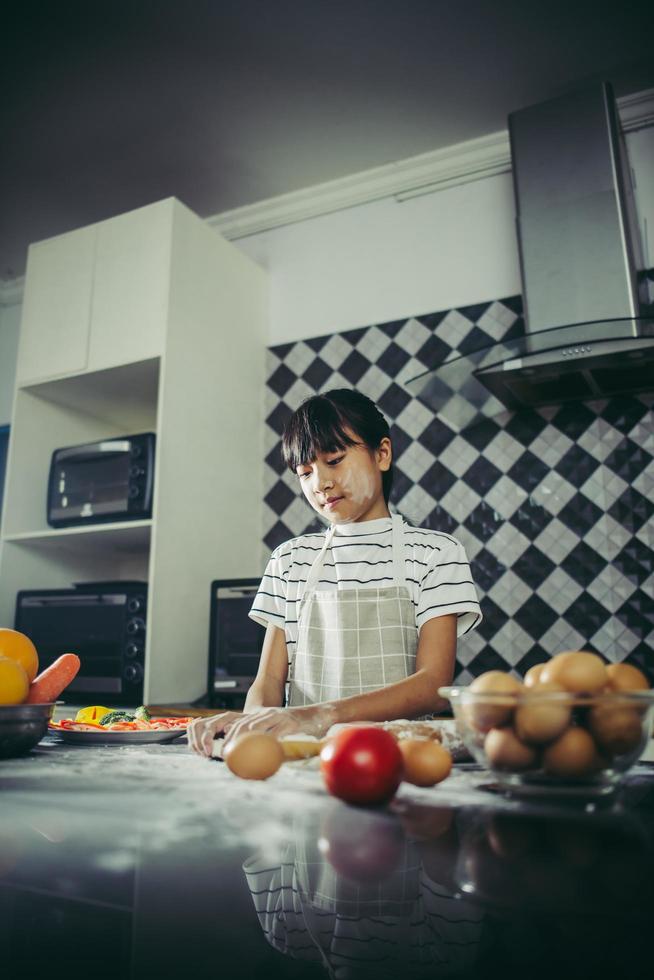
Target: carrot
point(69, 723)
point(53, 680)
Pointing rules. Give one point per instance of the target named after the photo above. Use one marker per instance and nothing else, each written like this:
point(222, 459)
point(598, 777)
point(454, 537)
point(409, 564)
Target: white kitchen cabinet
point(195, 377)
point(98, 296)
point(131, 286)
point(54, 330)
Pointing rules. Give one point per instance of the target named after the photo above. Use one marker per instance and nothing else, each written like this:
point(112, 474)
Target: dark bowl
point(22, 726)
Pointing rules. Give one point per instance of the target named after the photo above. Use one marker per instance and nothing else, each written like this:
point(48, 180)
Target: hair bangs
point(314, 429)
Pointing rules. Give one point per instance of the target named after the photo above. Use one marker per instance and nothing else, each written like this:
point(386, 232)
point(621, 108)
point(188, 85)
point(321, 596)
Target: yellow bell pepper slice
point(95, 713)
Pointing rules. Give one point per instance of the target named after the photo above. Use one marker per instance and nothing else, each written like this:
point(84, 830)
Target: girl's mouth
point(332, 502)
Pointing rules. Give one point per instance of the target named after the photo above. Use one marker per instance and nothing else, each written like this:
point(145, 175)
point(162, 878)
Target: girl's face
point(346, 486)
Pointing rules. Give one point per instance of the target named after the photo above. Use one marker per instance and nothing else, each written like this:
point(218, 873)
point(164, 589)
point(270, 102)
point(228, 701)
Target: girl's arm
point(267, 690)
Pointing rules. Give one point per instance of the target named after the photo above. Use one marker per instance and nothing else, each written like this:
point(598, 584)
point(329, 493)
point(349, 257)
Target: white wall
point(388, 260)
point(9, 326)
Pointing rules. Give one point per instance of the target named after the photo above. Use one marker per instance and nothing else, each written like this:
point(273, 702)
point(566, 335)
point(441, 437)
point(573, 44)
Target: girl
point(361, 621)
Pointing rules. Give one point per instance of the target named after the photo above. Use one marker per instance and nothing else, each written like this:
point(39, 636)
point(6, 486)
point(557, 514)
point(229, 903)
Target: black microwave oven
point(104, 623)
point(235, 641)
point(109, 480)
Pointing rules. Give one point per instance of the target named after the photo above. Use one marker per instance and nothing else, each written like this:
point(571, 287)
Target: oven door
point(92, 626)
point(235, 641)
point(90, 482)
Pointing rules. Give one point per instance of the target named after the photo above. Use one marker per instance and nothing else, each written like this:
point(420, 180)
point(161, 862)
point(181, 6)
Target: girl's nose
point(324, 479)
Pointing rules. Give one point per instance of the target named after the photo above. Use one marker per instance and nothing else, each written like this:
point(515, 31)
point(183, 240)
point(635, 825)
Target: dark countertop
point(150, 862)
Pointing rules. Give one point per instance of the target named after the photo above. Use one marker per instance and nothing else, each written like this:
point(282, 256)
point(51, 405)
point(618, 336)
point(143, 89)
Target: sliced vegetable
point(95, 713)
point(143, 714)
point(113, 716)
point(120, 724)
point(54, 679)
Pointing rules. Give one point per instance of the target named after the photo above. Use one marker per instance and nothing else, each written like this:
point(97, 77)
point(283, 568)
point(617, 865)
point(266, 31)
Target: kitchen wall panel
point(554, 506)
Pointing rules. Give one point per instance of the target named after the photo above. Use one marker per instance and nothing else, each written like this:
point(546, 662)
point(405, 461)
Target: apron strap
point(314, 572)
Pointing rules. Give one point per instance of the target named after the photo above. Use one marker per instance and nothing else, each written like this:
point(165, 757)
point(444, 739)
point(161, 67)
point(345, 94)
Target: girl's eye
point(306, 473)
point(334, 462)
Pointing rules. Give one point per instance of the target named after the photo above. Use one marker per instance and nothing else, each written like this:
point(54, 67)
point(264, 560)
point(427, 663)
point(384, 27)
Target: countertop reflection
point(147, 861)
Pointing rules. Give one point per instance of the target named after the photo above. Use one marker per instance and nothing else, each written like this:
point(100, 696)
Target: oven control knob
point(134, 604)
point(135, 626)
point(131, 651)
point(133, 673)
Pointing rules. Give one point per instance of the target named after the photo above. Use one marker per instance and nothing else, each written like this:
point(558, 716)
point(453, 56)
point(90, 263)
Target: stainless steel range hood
point(589, 332)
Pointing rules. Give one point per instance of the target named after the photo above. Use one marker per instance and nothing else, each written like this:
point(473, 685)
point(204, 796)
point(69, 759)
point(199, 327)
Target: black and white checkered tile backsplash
point(554, 506)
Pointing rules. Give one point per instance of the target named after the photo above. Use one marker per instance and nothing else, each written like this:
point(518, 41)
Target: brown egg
point(624, 677)
point(495, 712)
point(541, 720)
point(254, 755)
point(532, 676)
point(617, 728)
point(572, 754)
point(505, 751)
point(576, 671)
point(426, 762)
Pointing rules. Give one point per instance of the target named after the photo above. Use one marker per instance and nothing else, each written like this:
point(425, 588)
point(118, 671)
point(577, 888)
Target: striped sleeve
point(269, 606)
point(447, 587)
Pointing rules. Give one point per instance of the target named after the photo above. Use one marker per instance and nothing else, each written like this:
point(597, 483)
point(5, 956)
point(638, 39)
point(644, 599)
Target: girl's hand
point(312, 720)
point(202, 731)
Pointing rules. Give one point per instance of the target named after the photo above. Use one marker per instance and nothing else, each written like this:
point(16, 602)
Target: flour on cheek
point(359, 485)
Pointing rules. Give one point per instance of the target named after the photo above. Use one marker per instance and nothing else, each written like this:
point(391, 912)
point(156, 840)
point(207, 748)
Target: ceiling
point(113, 104)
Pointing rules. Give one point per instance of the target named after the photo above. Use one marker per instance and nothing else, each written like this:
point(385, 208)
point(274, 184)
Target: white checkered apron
point(353, 640)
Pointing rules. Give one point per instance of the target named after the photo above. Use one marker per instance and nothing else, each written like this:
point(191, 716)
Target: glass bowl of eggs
point(572, 726)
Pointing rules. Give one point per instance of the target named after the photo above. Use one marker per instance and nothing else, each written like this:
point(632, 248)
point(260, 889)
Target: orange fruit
point(14, 682)
point(19, 647)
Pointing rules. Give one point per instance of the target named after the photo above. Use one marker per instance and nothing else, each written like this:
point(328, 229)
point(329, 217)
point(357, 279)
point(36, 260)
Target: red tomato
point(362, 765)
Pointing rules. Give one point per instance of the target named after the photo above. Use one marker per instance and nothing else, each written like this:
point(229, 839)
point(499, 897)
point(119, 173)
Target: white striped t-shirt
point(437, 573)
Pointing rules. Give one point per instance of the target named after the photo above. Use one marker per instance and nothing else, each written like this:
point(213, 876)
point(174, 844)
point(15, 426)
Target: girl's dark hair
point(319, 424)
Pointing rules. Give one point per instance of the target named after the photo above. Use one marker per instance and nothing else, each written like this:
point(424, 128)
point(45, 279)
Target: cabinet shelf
point(124, 396)
point(122, 536)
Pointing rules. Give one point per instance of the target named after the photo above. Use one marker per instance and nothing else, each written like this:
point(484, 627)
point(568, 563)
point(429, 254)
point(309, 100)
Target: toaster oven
point(109, 480)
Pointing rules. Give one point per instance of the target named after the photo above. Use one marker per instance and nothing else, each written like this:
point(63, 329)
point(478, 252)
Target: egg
point(495, 712)
point(617, 728)
point(504, 750)
point(254, 755)
point(532, 676)
point(426, 762)
point(577, 671)
point(541, 720)
point(572, 754)
point(624, 677)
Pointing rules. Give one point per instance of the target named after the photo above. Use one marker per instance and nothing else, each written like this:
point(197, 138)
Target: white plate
point(116, 738)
